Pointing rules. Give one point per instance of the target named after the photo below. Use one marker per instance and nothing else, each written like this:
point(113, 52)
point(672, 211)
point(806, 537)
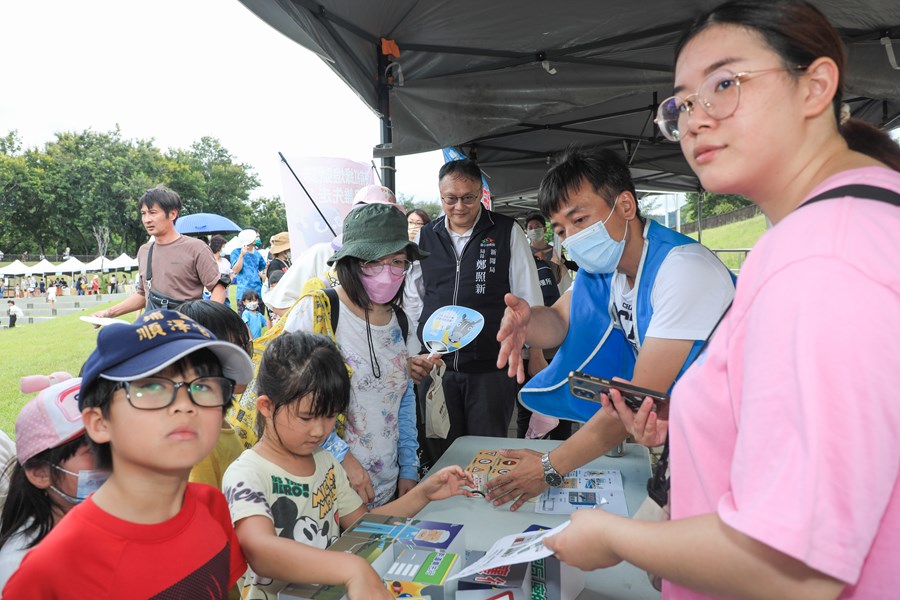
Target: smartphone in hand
point(589, 387)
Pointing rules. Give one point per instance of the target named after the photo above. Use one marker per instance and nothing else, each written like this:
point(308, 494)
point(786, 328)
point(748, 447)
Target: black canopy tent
point(514, 82)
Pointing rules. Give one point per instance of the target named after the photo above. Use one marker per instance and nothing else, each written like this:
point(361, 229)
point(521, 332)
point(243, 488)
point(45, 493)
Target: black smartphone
point(589, 387)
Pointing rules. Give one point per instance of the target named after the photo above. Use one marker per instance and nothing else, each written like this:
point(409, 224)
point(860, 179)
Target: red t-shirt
point(92, 554)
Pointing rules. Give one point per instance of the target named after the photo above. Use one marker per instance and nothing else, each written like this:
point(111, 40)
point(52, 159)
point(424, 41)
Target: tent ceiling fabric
point(474, 74)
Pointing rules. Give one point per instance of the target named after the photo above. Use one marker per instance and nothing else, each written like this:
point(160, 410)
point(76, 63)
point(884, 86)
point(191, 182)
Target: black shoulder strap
point(402, 321)
point(335, 307)
point(658, 485)
point(150, 263)
point(863, 192)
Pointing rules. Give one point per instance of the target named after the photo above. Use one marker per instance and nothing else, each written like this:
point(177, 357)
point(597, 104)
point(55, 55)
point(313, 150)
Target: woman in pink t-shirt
point(784, 454)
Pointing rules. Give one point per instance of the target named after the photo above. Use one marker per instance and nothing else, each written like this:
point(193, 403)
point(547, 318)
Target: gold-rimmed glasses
point(719, 96)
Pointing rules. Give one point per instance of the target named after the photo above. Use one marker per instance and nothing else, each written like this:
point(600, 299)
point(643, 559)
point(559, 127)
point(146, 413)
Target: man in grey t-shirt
point(182, 266)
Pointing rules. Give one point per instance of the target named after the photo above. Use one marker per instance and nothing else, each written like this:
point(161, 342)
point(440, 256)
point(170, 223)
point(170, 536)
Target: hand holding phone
point(589, 387)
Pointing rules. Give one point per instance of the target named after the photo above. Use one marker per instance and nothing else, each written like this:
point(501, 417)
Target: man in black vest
point(479, 256)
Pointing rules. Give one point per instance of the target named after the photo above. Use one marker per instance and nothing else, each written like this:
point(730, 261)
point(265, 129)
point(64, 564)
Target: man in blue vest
point(644, 300)
point(479, 256)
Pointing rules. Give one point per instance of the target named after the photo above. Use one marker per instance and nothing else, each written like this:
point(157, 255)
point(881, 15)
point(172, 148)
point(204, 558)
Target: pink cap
point(49, 420)
point(369, 194)
point(374, 194)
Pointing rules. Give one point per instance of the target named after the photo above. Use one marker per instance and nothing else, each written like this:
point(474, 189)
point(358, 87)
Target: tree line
point(80, 184)
point(713, 204)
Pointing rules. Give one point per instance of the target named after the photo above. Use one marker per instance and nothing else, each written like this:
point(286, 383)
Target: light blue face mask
point(89, 481)
point(592, 248)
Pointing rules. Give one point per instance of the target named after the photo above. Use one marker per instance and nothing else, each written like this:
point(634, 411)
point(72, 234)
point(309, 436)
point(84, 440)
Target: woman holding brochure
point(784, 461)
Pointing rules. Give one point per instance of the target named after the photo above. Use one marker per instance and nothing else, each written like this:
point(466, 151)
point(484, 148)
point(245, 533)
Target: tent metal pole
point(388, 163)
point(383, 89)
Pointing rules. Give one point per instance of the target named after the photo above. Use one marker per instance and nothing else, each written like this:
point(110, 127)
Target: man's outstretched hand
point(512, 336)
point(522, 483)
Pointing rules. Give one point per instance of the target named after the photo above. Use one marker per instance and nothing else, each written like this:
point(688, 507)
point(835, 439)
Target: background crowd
point(780, 471)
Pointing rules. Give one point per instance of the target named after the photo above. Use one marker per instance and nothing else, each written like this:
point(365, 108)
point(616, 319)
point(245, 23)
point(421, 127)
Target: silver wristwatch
point(551, 475)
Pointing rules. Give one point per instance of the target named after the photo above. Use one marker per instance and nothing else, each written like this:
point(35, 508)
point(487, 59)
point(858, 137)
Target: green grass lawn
point(742, 234)
point(60, 344)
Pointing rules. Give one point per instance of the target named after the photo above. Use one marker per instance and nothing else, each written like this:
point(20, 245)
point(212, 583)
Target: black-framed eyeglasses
point(155, 393)
point(398, 266)
point(719, 96)
point(468, 199)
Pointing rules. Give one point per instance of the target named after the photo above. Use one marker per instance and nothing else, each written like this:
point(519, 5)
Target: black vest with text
point(478, 279)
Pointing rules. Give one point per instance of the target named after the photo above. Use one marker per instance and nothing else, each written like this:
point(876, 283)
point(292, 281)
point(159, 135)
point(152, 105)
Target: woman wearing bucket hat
point(311, 262)
point(279, 252)
point(371, 266)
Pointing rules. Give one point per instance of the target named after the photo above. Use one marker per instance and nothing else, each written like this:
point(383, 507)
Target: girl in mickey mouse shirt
point(286, 489)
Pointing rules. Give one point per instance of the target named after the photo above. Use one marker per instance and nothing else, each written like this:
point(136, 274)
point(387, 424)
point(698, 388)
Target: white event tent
point(17, 267)
point(70, 265)
point(98, 264)
point(43, 267)
point(123, 262)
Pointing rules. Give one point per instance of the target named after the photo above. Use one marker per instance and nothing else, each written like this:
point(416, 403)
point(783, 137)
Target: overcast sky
point(176, 70)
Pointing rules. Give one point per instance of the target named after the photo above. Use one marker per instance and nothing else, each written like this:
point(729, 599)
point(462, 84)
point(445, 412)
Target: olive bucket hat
point(375, 230)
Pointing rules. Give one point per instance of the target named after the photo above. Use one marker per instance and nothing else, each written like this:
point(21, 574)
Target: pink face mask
point(382, 288)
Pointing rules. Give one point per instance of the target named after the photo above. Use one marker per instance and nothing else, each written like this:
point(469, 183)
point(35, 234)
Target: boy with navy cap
point(152, 398)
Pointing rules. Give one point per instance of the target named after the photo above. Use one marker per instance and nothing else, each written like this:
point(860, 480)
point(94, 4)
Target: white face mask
point(594, 250)
point(534, 235)
point(89, 481)
point(251, 305)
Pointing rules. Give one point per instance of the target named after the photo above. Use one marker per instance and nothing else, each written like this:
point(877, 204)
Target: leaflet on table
point(381, 540)
point(585, 488)
point(488, 464)
point(513, 549)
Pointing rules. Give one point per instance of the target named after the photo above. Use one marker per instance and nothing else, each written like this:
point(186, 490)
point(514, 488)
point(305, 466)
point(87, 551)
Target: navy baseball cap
point(154, 341)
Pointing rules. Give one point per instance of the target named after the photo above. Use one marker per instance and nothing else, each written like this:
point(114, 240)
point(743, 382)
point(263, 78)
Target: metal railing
point(732, 257)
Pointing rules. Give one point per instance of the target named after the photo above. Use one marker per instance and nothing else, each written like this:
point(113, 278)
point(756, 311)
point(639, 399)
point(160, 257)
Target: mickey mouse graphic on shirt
point(302, 529)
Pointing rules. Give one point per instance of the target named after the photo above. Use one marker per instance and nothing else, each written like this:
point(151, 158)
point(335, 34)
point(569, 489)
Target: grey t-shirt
point(181, 269)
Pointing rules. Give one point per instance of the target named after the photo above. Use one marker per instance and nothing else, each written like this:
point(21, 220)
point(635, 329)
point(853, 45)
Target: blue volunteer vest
point(593, 343)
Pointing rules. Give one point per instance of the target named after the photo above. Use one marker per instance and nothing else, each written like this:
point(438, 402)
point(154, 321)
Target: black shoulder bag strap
point(402, 321)
point(335, 307)
point(861, 192)
point(658, 485)
point(149, 275)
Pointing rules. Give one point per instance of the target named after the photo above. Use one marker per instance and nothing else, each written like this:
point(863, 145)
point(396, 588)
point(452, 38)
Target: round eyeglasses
point(398, 266)
point(718, 96)
point(154, 393)
point(468, 199)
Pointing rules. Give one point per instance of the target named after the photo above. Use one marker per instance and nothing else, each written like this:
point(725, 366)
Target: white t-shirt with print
point(13, 551)
point(690, 293)
point(304, 509)
point(373, 430)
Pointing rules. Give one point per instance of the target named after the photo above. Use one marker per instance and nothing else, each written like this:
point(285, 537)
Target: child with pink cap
point(54, 468)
